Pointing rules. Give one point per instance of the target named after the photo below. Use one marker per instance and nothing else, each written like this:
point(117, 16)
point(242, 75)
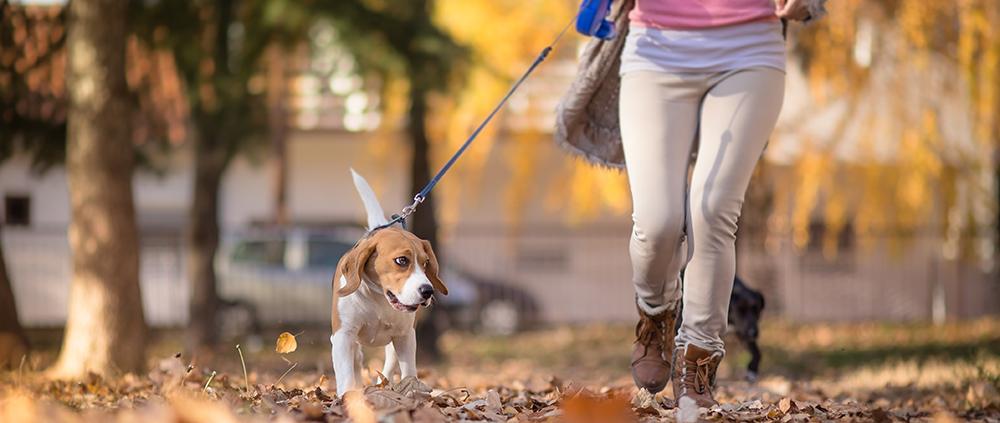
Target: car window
point(262, 253)
point(326, 253)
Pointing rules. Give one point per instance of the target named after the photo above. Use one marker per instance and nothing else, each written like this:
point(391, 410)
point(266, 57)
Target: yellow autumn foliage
point(506, 36)
point(916, 165)
point(939, 174)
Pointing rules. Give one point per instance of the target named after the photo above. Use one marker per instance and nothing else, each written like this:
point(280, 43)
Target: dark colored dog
point(745, 307)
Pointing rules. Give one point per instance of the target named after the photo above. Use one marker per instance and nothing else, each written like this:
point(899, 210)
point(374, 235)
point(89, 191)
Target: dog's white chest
point(379, 332)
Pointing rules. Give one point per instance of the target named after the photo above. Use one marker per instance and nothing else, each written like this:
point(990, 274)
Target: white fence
point(39, 267)
point(569, 275)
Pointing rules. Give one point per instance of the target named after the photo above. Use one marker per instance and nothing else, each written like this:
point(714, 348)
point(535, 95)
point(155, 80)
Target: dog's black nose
point(425, 291)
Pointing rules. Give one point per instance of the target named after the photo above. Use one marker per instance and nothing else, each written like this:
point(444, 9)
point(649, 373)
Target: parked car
point(284, 276)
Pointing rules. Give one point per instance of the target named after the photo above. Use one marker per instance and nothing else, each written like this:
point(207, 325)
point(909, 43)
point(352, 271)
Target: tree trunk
point(105, 328)
point(424, 221)
point(13, 343)
point(277, 110)
point(211, 156)
point(203, 242)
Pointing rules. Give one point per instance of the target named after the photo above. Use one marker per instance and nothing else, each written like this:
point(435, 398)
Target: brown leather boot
point(654, 336)
point(694, 374)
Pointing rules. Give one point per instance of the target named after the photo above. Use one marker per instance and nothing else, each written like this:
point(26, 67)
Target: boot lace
point(698, 374)
point(651, 331)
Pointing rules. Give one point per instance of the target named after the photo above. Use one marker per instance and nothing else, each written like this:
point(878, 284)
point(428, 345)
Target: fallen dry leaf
point(411, 387)
point(982, 394)
point(380, 380)
point(643, 399)
point(382, 399)
point(493, 402)
point(786, 405)
point(286, 343)
point(796, 417)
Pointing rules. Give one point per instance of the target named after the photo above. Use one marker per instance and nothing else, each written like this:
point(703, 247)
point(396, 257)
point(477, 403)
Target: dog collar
point(401, 220)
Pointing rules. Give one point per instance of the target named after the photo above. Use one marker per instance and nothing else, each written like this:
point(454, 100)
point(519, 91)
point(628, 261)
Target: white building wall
point(319, 185)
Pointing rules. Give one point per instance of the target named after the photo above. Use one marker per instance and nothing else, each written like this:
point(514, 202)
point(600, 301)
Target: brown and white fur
point(379, 286)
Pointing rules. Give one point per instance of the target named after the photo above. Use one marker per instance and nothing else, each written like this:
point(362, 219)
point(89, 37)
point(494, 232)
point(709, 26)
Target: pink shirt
point(689, 14)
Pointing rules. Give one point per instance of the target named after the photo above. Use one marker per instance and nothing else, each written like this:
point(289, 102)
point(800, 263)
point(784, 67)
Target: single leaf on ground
point(787, 406)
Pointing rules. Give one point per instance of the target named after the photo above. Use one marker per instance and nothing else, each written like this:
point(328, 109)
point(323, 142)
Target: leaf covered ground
point(868, 372)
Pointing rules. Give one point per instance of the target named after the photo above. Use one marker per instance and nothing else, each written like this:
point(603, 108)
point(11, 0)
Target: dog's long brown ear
point(432, 270)
point(351, 266)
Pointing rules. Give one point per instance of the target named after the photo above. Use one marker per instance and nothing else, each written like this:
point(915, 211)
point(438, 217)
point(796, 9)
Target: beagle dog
point(379, 285)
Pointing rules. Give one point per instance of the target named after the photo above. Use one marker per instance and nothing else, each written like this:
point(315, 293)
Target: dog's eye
point(402, 261)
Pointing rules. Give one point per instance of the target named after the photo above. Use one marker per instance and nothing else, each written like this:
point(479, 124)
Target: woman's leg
point(659, 115)
point(658, 121)
point(737, 117)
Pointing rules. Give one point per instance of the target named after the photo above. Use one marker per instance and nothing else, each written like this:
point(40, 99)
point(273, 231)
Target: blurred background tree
point(13, 342)
point(33, 123)
point(33, 105)
point(219, 47)
point(32, 90)
point(922, 85)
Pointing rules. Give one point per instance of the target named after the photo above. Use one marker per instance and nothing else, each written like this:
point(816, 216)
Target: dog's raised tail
point(376, 217)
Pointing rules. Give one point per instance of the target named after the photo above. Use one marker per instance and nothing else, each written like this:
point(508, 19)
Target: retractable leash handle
point(593, 19)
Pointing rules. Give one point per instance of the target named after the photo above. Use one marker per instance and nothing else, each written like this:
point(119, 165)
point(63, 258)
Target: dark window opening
point(17, 210)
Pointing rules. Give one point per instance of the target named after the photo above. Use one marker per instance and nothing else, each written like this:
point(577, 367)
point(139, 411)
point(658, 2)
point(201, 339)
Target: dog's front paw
point(751, 376)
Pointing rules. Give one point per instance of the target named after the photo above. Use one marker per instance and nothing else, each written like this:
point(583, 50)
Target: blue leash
point(422, 195)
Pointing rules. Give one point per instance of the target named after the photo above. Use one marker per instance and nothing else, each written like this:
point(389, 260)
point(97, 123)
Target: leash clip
point(399, 218)
point(408, 210)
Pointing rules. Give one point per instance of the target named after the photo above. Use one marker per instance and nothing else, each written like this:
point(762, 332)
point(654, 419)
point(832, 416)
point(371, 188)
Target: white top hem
point(717, 49)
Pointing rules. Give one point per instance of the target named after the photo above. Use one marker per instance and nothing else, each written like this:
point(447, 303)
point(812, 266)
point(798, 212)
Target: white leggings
point(728, 117)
